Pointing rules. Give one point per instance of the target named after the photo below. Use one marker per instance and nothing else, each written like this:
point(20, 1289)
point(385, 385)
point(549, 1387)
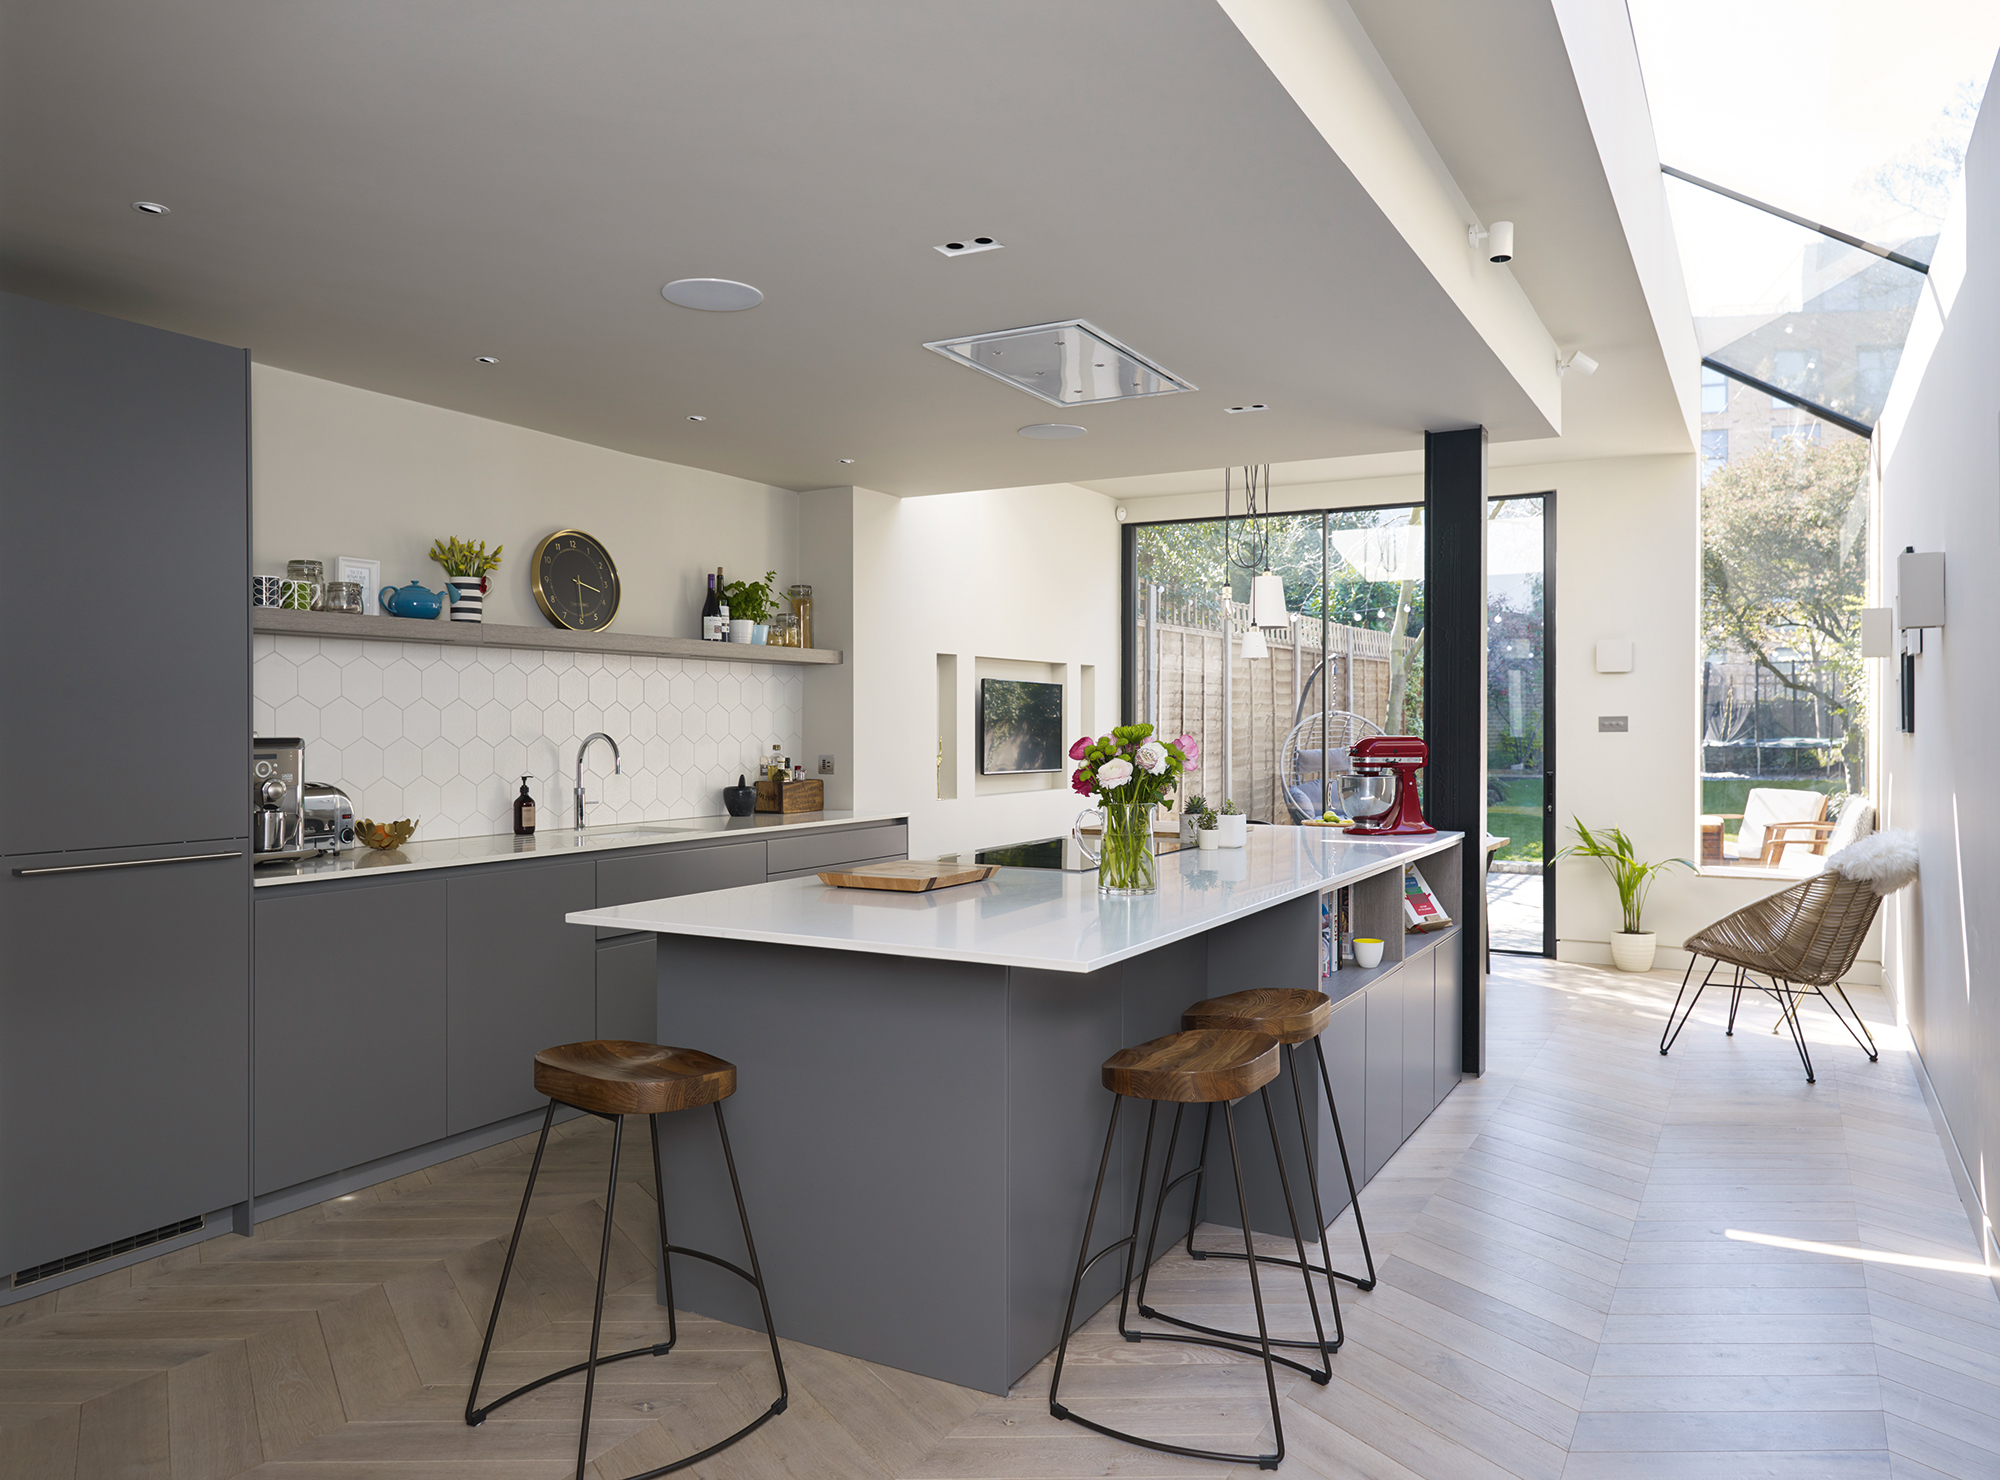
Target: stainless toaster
point(329, 819)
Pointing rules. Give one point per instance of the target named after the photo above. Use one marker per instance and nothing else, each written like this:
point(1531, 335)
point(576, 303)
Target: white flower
point(1152, 758)
point(1114, 773)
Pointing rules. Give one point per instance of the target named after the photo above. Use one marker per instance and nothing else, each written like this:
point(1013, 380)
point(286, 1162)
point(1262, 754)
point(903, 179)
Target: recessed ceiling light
point(1253, 406)
point(1068, 349)
point(846, 461)
point(968, 245)
point(487, 359)
point(151, 208)
point(713, 295)
point(1051, 431)
point(697, 418)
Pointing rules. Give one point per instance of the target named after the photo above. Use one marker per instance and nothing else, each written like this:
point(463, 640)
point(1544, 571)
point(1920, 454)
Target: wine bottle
point(722, 592)
point(712, 620)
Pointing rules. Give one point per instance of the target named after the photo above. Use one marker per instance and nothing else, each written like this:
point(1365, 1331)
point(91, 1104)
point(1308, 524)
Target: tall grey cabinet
point(124, 764)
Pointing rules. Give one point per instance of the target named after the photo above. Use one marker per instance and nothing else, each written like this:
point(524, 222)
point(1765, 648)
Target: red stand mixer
point(1382, 796)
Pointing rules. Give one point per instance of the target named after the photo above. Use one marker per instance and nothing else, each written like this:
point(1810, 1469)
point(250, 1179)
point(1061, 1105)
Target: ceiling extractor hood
point(1068, 364)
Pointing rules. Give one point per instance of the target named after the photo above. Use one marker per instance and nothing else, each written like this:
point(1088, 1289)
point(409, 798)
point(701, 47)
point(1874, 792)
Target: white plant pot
point(1634, 952)
point(740, 630)
point(1235, 829)
point(1211, 838)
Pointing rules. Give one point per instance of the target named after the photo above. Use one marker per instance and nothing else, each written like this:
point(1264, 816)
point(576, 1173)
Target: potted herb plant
point(752, 603)
point(466, 563)
point(1234, 825)
point(1191, 811)
point(1209, 831)
point(1632, 949)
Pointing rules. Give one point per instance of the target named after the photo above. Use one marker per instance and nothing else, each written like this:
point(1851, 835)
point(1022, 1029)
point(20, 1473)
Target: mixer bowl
point(1367, 798)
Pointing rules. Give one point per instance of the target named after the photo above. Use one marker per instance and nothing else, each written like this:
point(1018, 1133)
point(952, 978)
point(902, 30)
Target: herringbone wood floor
point(1558, 1300)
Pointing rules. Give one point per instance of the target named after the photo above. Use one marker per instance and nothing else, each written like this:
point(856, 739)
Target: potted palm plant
point(1632, 949)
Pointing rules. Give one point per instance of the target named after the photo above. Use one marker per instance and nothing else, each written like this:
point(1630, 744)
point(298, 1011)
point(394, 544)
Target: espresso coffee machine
point(278, 800)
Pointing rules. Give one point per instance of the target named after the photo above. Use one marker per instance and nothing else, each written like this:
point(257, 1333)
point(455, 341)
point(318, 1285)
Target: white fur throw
point(1888, 860)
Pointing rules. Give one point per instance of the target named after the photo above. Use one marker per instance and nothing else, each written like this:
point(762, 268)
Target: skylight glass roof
point(1850, 113)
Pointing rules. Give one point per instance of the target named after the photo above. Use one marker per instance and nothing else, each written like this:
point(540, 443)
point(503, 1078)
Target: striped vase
point(468, 598)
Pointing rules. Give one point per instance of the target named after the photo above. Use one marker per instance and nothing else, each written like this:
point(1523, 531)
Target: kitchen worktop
point(552, 842)
point(1033, 918)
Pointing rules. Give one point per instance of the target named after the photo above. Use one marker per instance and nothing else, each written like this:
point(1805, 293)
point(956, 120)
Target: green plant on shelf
point(1230, 809)
point(1634, 879)
point(1209, 822)
point(465, 557)
point(752, 601)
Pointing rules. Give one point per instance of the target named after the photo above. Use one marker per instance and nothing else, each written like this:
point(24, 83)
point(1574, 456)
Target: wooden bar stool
point(1207, 1066)
point(1291, 1015)
point(611, 1079)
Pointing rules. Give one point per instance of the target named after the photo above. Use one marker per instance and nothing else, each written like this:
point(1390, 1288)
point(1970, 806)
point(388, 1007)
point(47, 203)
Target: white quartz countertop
point(553, 843)
point(1036, 918)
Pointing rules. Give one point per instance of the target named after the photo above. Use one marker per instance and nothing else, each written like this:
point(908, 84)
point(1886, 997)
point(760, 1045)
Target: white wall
point(1627, 565)
point(341, 471)
point(1024, 574)
point(1940, 462)
point(443, 734)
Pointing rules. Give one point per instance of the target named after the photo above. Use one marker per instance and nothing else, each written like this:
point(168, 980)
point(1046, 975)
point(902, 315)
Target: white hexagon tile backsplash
point(444, 734)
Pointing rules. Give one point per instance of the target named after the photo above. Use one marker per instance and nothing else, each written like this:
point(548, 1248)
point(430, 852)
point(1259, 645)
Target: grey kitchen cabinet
point(124, 452)
point(1445, 1061)
point(1385, 1069)
point(628, 878)
point(808, 852)
point(1419, 993)
point(519, 979)
point(124, 1063)
point(350, 1039)
point(628, 988)
point(1345, 1042)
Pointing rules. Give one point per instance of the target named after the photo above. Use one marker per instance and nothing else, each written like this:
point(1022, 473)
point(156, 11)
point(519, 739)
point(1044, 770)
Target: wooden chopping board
point(908, 876)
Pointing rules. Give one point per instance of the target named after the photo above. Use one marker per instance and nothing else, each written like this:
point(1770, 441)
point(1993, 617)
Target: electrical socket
point(826, 765)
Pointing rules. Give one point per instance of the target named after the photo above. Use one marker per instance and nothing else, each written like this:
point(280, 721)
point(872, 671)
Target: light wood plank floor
point(1560, 1301)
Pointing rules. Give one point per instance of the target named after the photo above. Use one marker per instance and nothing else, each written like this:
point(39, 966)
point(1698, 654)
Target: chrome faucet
point(616, 769)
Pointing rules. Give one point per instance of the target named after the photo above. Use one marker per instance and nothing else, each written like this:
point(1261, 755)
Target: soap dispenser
point(524, 812)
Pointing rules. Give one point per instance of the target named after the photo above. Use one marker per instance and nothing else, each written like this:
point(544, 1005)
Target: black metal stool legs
point(476, 1415)
point(1085, 1260)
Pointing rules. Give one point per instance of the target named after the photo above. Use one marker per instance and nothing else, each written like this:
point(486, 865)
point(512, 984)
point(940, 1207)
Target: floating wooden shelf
point(492, 634)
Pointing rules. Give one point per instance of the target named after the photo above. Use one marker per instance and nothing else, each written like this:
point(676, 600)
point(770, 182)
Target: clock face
point(576, 585)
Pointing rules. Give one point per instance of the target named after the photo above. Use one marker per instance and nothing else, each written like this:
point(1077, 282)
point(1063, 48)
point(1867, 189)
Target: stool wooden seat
point(1198, 1068)
point(612, 1078)
point(615, 1076)
point(1288, 1014)
point(1209, 1066)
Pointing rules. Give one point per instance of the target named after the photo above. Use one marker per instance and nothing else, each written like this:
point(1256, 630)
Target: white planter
point(1211, 838)
point(740, 629)
point(1634, 952)
point(1235, 829)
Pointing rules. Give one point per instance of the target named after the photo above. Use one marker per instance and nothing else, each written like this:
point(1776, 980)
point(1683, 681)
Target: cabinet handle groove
point(84, 868)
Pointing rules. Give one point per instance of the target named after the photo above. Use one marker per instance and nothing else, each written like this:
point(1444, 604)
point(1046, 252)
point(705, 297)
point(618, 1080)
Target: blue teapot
point(412, 600)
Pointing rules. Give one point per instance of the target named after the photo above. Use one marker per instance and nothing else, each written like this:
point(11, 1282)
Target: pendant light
point(1267, 601)
point(1254, 646)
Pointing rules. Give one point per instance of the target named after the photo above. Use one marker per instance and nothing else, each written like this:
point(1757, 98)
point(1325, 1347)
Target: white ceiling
point(376, 193)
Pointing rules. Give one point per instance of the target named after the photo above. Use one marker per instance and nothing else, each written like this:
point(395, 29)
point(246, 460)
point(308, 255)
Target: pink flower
point(1152, 758)
point(1190, 747)
point(1080, 783)
point(1081, 749)
point(1114, 773)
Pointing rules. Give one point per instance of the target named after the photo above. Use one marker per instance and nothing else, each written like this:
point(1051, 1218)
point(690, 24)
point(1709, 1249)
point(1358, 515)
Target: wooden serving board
point(908, 876)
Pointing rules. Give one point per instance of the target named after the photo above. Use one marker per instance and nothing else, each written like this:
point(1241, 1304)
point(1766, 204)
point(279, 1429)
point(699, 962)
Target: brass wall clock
point(575, 581)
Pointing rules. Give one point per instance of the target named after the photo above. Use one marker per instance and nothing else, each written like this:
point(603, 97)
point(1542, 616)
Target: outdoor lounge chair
point(1769, 812)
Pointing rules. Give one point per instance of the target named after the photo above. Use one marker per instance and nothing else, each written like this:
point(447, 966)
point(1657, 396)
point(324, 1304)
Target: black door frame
point(1548, 498)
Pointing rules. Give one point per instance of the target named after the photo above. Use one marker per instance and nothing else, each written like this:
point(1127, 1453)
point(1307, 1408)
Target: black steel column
point(1455, 514)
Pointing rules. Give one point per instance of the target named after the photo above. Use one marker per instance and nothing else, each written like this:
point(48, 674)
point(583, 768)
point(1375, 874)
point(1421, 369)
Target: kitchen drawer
point(818, 850)
point(629, 879)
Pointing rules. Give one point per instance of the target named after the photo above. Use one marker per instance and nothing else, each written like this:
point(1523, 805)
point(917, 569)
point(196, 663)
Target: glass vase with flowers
point(1129, 773)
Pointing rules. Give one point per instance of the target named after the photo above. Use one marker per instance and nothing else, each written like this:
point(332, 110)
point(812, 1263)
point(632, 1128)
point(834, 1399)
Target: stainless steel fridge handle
point(84, 868)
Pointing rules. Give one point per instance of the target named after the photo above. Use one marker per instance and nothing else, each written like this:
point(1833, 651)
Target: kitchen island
point(919, 1114)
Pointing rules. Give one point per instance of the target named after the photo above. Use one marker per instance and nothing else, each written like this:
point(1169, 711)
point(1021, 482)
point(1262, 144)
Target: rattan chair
point(1802, 941)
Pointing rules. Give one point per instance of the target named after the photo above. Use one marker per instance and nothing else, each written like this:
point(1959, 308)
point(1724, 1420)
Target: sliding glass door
point(1520, 723)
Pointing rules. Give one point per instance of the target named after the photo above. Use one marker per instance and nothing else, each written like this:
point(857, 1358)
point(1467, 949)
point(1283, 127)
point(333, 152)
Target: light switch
point(1614, 655)
point(826, 765)
point(1613, 724)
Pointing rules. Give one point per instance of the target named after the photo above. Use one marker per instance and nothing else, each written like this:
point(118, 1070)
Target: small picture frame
point(367, 574)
